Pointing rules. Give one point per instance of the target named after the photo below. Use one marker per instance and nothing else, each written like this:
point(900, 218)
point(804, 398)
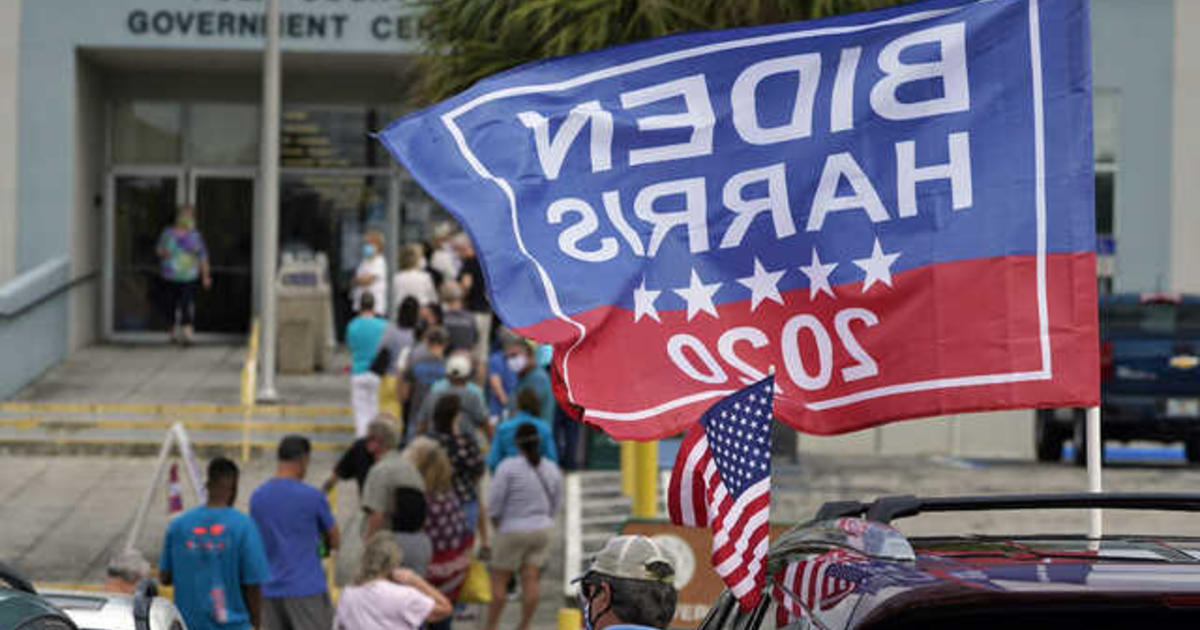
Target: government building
point(113, 113)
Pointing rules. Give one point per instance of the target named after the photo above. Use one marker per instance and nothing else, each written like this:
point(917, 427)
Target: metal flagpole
point(1095, 461)
point(269, 156)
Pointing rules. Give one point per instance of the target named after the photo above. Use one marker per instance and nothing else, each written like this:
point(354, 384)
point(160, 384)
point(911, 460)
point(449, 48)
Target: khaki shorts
point(512, 550)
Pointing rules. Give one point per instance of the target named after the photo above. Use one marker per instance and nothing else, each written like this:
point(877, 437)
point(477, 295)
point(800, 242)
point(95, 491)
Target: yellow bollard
point(628, 472)
point(645, 498)
point(569, 619)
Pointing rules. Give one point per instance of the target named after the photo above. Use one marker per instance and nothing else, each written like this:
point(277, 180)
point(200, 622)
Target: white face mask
point(518, 362)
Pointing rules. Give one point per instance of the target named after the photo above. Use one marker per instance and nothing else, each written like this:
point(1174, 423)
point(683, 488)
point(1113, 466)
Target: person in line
point(413, 280)
point(292, 518)
point(396, 345)
point(443, 260)
point(363, 335)
point(521, 358)
point(523, 500)
point(371, 275)
point(391, 472)
point(466, 460)
point(183, 259)
point(501, 381)
point(504, 442)
point(470, 276)
point(629, 586)
point(426, 366)
point(470, 397)
point(357, 461)
point(446, 523)
point(459, 323)
point(386, 596)
point(214, 558)
point(125, 571)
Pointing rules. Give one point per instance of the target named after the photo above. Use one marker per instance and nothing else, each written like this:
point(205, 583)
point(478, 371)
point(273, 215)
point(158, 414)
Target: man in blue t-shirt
point(214, 558)
point(363, 335)
point(293, 519)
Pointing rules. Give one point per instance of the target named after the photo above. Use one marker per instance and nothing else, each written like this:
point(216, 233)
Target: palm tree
point(466, 40)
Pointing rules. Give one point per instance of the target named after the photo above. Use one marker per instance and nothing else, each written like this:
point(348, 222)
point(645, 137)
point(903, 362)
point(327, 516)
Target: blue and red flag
point(893, 211)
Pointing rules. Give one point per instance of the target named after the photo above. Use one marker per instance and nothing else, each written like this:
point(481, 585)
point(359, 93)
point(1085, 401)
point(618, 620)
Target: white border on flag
point(1045, 373)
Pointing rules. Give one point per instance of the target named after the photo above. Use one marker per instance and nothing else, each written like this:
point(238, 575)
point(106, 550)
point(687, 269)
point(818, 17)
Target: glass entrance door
point(225, 217)
point(143, 205)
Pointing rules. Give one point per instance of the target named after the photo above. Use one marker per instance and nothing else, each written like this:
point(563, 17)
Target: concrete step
point(139, 429)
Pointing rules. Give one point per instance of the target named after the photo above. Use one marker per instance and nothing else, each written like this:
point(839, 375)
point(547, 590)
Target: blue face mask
point(368, 250)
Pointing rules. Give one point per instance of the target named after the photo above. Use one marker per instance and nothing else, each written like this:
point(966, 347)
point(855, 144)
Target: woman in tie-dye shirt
point(184, 261)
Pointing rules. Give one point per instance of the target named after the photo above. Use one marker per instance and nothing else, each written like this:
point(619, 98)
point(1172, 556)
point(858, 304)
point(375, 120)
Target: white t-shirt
point(375, 266)
point(382, 605)
point(414, 282)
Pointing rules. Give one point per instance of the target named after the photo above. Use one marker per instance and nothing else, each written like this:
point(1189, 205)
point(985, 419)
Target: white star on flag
point(643, 303)
point(878, 266)
point(763, 285)
point(699, 297)
point(818, 276)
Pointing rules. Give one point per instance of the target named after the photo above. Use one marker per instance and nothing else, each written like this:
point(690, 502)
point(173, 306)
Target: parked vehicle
point(143, 610)
point(850, 569)
point(21, 608)
point(1149, 378)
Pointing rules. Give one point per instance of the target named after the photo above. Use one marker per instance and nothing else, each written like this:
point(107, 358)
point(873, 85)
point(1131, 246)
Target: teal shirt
point(539, 381)
point(209, 550)
point(362, 337)
point(504, 442)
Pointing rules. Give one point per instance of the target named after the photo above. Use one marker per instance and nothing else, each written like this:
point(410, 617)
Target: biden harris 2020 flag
point(891, 211)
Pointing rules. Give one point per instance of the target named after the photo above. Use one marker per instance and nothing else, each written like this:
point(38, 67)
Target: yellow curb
point(262, 444)
point(302, 411)
point(190, 424)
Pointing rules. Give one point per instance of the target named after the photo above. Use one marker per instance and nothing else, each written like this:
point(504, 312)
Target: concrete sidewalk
point(207, 374)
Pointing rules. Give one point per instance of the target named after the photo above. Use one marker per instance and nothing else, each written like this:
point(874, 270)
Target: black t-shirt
point(355, 463)
point(476, 299)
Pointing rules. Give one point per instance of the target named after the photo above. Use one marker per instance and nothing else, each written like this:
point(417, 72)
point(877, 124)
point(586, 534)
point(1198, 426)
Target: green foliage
point(466, 40)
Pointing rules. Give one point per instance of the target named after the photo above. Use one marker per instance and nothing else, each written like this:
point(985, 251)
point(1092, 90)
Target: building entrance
point(144, 203)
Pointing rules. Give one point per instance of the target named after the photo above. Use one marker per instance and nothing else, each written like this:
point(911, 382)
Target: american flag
point(722, 480)
point(820, 583)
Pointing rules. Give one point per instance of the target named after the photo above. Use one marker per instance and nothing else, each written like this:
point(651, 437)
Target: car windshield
point(1154, 319)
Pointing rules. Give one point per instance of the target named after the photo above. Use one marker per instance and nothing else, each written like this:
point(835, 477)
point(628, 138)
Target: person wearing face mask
point(371, 276)
point(630, 586)
point(183, 261)
point(520, 356)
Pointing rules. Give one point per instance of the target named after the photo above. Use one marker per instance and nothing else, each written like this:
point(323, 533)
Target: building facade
point(115, 112)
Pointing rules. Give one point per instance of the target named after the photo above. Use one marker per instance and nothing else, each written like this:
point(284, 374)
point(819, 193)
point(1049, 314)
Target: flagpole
point(1095, 462)
point(269, 196)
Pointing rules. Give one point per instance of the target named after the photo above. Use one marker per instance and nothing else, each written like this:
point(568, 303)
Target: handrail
point(34, 285)
point(249, 387)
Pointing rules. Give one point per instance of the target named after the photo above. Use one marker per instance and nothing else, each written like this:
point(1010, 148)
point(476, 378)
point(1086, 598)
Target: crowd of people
point(233, 571)
point(440, 340)
point(456, 462)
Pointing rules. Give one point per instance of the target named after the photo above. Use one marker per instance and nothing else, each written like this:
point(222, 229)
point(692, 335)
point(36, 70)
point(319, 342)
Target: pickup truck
point(1149, 378)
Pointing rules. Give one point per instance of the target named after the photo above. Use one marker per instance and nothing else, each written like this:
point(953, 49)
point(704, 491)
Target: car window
point(45, 623)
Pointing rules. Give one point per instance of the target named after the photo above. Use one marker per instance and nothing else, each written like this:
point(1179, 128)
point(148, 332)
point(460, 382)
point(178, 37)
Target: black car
point(22, 609)
point(850, 569)
point(1149, 378)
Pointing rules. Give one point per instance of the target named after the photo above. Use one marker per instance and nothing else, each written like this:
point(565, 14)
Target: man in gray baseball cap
point(630, 585)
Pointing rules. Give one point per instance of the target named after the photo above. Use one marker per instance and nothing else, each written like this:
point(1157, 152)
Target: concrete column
point(1185, 150)
point(10, 42)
